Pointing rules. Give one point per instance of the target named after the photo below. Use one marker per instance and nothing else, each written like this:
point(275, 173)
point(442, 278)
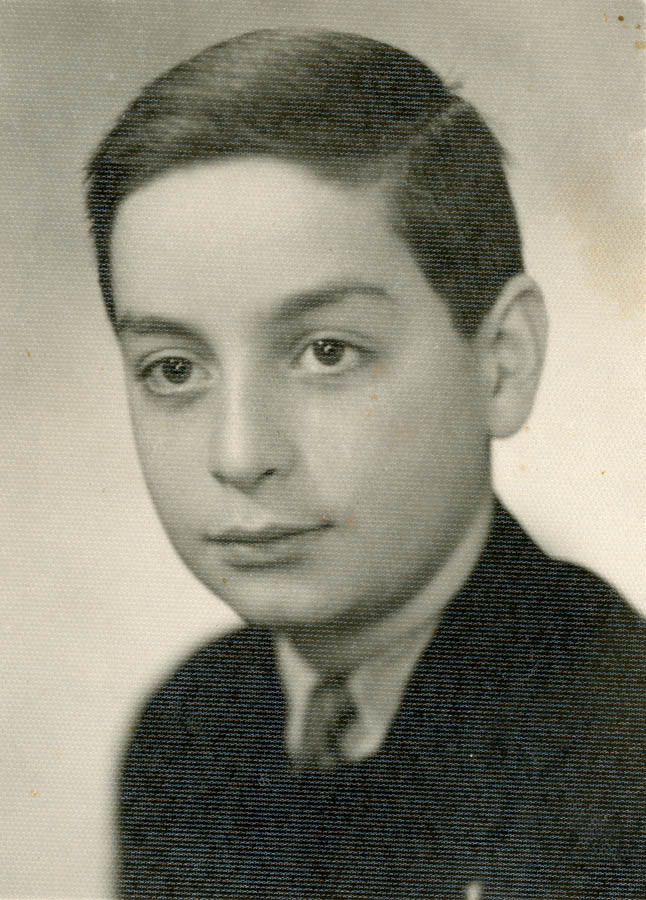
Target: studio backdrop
point(95, 605)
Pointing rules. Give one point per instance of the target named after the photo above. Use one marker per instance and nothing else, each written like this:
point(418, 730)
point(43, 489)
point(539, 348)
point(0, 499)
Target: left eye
point(330, 353)
point(173, 375)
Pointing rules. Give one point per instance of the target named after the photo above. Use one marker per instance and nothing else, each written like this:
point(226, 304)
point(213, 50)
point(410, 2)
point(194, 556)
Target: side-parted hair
point(353, 110)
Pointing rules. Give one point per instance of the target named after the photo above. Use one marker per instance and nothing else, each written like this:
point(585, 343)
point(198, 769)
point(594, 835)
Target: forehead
point(276, 218)
point(227, 240)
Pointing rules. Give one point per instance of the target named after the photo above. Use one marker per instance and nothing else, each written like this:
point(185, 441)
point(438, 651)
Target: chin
point(269, 607)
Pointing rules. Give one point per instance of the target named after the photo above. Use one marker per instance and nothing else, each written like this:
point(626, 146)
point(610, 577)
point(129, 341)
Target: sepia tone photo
point(326, 500)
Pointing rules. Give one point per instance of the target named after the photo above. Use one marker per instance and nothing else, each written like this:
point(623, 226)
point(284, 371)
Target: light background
point(95, 607)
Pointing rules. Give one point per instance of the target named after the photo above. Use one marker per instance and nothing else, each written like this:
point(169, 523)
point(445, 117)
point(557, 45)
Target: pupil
point(176, 370)
point(329, 352)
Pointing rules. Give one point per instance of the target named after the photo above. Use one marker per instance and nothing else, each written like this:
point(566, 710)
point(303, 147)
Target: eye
point(330, 353)
point(174, 375)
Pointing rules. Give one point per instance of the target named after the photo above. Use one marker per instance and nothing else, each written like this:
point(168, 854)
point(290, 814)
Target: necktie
point(329, 713)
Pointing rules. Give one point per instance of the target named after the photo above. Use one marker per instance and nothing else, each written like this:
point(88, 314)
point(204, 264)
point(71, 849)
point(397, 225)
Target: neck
point(342, 648)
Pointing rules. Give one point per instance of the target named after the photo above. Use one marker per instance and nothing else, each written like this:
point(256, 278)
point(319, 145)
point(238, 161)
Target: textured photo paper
point(324, 427)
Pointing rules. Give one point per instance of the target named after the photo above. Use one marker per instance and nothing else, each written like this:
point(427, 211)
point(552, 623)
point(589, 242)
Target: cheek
point(397, 440)
point(169, 455)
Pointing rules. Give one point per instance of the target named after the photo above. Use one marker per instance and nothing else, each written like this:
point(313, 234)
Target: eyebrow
point(327, 295)
point(296, 305)
point(147, 325)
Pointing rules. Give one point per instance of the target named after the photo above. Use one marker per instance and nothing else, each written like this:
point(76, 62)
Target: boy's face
point(310, 424)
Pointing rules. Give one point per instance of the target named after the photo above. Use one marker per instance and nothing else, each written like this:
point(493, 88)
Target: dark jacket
point(517, 759)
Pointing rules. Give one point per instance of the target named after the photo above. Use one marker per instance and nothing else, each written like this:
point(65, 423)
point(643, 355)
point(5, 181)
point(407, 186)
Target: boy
point(310, 256)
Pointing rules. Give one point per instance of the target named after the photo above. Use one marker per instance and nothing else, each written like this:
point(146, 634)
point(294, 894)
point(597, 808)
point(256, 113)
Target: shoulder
point(560, 633)
point(197, 737)
point(576, 648)
point(595, 639)
point(206, 689)
point(516, 568)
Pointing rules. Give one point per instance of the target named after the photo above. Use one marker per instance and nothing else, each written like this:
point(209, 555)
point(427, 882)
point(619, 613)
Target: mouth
point(270, 534)
point(272, 546)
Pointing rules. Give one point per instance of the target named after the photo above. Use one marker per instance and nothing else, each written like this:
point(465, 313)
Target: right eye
point(173, 375)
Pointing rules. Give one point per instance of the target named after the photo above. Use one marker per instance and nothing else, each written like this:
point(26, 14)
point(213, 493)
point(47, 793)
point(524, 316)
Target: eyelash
point(328, 343)
point(146, 371)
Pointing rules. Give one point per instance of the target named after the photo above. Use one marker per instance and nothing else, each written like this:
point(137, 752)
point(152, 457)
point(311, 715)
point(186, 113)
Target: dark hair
point(349, 107)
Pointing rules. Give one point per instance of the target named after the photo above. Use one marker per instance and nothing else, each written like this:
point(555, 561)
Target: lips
point(268, 535)
point(272, 546)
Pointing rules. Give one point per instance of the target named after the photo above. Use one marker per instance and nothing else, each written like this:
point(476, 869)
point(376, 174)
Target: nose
point(249, 440)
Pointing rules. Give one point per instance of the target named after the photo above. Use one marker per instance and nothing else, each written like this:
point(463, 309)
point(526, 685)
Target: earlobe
point(511, 345)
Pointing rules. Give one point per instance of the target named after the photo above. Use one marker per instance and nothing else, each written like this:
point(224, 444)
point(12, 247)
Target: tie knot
point(329, 712)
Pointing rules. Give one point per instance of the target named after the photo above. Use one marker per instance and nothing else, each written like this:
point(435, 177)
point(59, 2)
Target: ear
point(511, 345)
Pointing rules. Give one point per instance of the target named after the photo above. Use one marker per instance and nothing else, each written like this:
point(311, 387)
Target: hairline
point(417, 212)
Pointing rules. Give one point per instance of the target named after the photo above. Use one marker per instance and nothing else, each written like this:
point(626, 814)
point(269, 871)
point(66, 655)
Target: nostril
point(244, 478)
